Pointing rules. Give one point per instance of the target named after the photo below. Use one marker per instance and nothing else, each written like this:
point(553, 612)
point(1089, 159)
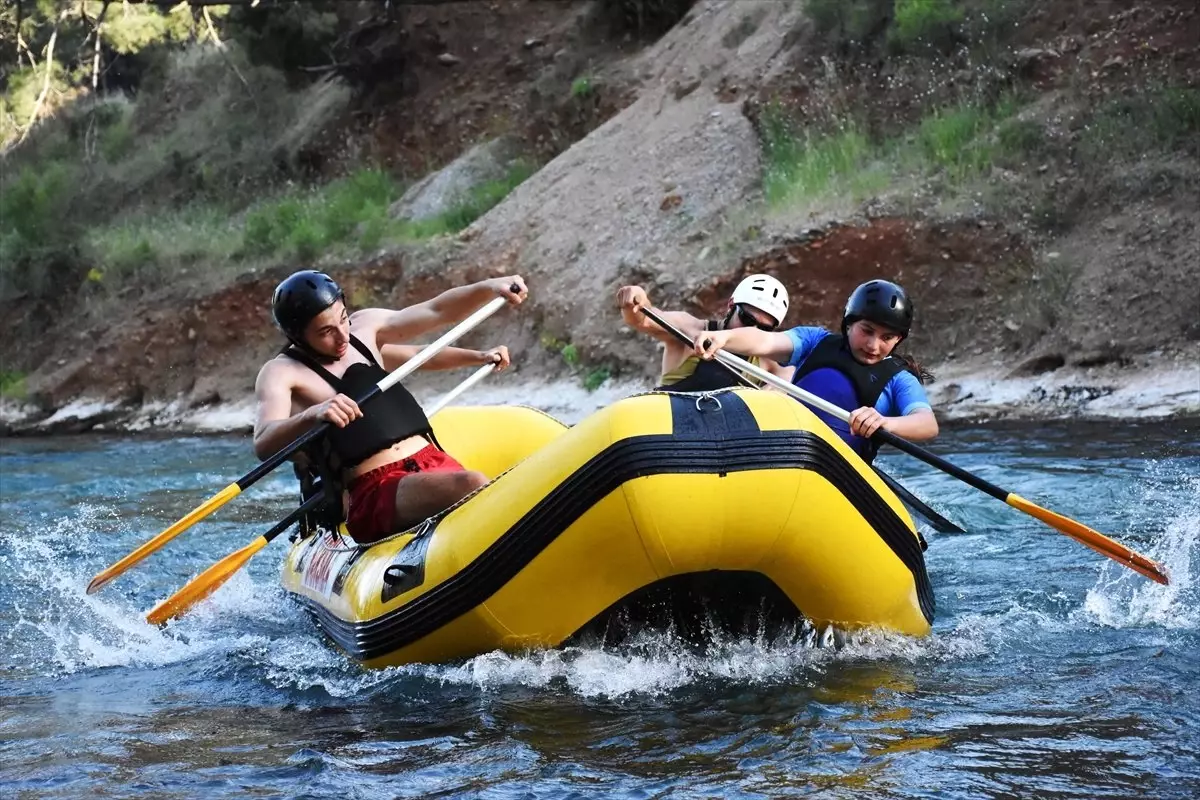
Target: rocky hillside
point(1033, 187)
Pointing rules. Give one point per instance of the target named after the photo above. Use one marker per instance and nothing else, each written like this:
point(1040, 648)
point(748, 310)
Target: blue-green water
point(1051, 672)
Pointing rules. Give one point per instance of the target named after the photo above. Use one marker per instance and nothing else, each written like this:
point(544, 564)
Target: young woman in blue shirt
point(857, 370)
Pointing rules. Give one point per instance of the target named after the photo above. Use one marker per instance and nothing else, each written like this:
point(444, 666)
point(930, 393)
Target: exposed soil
point(655, 178)
point(945, 261)
point(472, 71)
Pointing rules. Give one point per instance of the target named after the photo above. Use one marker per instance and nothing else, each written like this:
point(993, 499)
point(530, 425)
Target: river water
point(1051, 671)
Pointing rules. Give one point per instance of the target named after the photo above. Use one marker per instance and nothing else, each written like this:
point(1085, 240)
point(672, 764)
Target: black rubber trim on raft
point(697, 608)
point(701, 444)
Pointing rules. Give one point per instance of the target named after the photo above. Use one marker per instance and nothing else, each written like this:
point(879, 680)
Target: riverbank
point(1152, 387)
point(1033, 193)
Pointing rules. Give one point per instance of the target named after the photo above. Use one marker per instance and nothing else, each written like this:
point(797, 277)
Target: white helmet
point(764, 293)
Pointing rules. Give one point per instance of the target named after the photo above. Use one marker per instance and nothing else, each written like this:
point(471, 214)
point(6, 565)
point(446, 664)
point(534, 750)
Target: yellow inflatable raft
point(739, 500)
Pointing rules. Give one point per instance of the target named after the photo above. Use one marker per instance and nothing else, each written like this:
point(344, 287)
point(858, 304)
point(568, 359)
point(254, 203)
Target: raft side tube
point(651, 488)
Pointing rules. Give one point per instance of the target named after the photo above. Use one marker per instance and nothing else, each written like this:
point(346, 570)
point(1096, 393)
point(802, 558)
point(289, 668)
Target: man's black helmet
point(879, 301)
point(300, 297)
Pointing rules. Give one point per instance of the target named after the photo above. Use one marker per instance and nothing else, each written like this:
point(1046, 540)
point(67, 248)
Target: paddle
point(1076, 530)
point(212, 578)
point(476, 377)
point(237, 487)
point(939, 523)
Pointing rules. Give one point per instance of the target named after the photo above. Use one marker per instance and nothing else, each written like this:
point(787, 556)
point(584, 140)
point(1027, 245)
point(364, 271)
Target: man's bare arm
point(632, 299)
point(275, 426)
point(396, 355)
point(449, 307)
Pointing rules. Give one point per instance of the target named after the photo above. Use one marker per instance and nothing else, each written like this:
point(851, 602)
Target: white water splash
point(62, 630)
point(657, 663)
point(77, 630)
point(69, 631)
point(1123, 599)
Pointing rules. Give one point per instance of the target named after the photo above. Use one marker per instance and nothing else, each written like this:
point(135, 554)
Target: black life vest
point(706, 376)
point(391, 417)
point(832, 373)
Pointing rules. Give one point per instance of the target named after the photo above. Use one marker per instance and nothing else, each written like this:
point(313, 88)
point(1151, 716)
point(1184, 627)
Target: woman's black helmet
point(879, 301)
point(300, 297)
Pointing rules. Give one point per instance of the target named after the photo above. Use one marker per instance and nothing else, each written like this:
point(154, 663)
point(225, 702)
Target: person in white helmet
point(759, 301)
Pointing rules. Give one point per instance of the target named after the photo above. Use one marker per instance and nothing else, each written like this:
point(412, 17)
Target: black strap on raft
point(318, 474)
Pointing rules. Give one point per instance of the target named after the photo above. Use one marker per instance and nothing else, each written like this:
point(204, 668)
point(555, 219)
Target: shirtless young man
point(393, 472)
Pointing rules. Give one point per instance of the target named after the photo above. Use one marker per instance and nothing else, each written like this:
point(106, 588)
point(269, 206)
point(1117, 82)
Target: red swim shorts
point(372, 513)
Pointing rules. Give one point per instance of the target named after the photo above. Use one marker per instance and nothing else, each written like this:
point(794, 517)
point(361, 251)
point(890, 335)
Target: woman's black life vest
point(390, 417)
point(832, 373)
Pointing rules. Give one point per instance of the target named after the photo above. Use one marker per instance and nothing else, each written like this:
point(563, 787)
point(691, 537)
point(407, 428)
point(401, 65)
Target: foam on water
point(59, 629)
point(657, 663)
point(55, 617)
point(68, 631)
point(1123, 599)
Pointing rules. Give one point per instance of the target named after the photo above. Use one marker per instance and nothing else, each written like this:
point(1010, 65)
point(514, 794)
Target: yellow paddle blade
point(1093, 539)
point(204, 584)
point(195, 515)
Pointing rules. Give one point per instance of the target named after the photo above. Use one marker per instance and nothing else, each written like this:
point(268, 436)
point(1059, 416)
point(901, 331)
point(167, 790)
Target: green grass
point(924, 26)
point(1165, 118)
point(917, 27)
point(345, 217)
point(958, 143)
point(956, 149)
point(351, 213)
point(814, 165)
point(151, 247)
point(12, 384)
point(479, 201)
point(593, 377)
point(581, 86)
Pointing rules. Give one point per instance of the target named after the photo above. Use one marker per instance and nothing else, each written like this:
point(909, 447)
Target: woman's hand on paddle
point(498, 356)
point(707, 343)
point(338, 411)
point(866, 421)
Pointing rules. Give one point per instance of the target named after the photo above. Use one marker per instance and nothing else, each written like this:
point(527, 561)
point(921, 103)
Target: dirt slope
point(665, 192)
